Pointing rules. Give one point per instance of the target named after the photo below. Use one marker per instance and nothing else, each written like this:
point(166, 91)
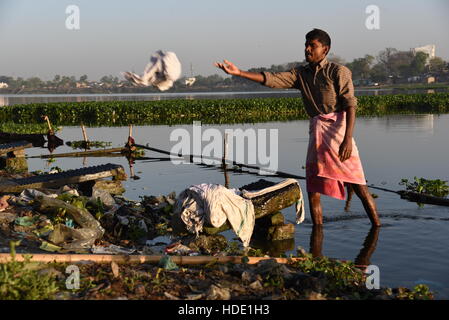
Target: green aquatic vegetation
point(34, 128)
point(22, 281)
point(437, 187)
point(217, 111)
point(89, 144)
point(340, 275)
point(138, 152)
point(52, 170)
point(419, 292)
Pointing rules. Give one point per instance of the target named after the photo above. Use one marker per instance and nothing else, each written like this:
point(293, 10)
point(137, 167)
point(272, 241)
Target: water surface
point(410, 248)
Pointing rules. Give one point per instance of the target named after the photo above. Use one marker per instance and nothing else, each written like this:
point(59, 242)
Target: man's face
point(315, 51)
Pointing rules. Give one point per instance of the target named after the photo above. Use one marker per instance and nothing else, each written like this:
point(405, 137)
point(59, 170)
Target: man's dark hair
point(320, 35)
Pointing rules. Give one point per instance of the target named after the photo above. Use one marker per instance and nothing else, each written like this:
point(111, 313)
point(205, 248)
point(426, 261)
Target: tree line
point(389, 66)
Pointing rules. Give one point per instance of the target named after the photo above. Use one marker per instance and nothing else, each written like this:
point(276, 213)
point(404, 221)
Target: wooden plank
point(5, 148)
point(423, 198)
point(91, 153)
point(59, 179)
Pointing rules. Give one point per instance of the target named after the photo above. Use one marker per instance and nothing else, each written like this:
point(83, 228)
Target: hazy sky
point(116, 36)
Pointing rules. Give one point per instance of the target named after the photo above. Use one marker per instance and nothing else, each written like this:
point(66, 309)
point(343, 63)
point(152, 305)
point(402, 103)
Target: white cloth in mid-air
point(162, 71)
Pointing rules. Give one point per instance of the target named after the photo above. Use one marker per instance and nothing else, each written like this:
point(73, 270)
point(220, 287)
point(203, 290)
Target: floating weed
point(217, 111)
point(89, 144)
point(437, 187)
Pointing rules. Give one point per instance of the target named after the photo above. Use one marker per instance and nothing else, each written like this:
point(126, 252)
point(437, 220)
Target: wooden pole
point(225, 149)
point(84, 134)
point(108, 258)
point(48, 123)
point(225, 155)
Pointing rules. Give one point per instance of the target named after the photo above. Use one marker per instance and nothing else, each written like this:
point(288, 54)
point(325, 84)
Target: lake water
point(411, 246)
point(11, 99)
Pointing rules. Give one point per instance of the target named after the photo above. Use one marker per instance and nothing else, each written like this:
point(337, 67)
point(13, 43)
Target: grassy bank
point(219, 111)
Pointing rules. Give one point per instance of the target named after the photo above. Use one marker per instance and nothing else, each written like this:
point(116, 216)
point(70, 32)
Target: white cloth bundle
point(162, 71)
point(216, 204)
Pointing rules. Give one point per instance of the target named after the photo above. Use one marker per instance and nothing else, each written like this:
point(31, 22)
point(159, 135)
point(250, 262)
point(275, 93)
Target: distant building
point(3, 85)
point(414, 79)
point(429, 49)
point(82, 85)
point(429, 79)
point(190, 81)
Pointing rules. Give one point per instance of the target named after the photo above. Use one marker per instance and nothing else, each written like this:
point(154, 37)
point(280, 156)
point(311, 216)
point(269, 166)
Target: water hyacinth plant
point(217, 111)
point(437, 187)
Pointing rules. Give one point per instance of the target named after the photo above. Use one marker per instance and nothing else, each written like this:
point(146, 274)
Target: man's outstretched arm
point(281, 80)
point(232, 69)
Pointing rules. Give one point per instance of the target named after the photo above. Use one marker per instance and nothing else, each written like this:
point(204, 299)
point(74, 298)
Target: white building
point(3, 85)
point(429, 49)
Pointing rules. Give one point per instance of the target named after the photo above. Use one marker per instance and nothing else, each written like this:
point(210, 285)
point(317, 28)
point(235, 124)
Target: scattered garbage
point(158, 241)
point(49, 247)
point(65, 220)
point(179, 249)
point(44, 231)
point(7, 217)
point(217, 293)
point(4, 202)
point(26, 221)
point(104, 196)
point(111, 249)
point(167, 263)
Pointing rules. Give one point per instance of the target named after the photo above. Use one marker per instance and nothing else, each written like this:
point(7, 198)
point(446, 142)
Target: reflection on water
point(364, 256)
point(422, 124)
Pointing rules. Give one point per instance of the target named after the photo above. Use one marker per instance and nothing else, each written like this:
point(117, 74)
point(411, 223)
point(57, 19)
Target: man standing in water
point(328, 95)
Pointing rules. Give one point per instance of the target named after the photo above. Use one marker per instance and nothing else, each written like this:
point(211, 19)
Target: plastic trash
point(68, 190)
point(158, 240)
point(66, 236)
point(69, 223)
point(167, 263)
point(104, 196)
point(44, 231)
point(112, 249)
point(123, 220)
point(143, 226)
point(49, 247)
point(7, 217)
point(4, 202)
point(28, 195)
point(179, 249)
point(26, 221)
point(73, 239)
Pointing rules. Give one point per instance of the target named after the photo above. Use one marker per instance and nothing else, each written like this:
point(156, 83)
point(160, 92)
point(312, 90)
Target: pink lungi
point(325, 173)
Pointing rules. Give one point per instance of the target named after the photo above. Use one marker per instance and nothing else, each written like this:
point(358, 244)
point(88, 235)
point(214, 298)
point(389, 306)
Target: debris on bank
point(96, 219)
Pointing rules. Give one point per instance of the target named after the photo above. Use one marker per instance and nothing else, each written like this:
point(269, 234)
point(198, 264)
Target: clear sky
point(117, 36)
